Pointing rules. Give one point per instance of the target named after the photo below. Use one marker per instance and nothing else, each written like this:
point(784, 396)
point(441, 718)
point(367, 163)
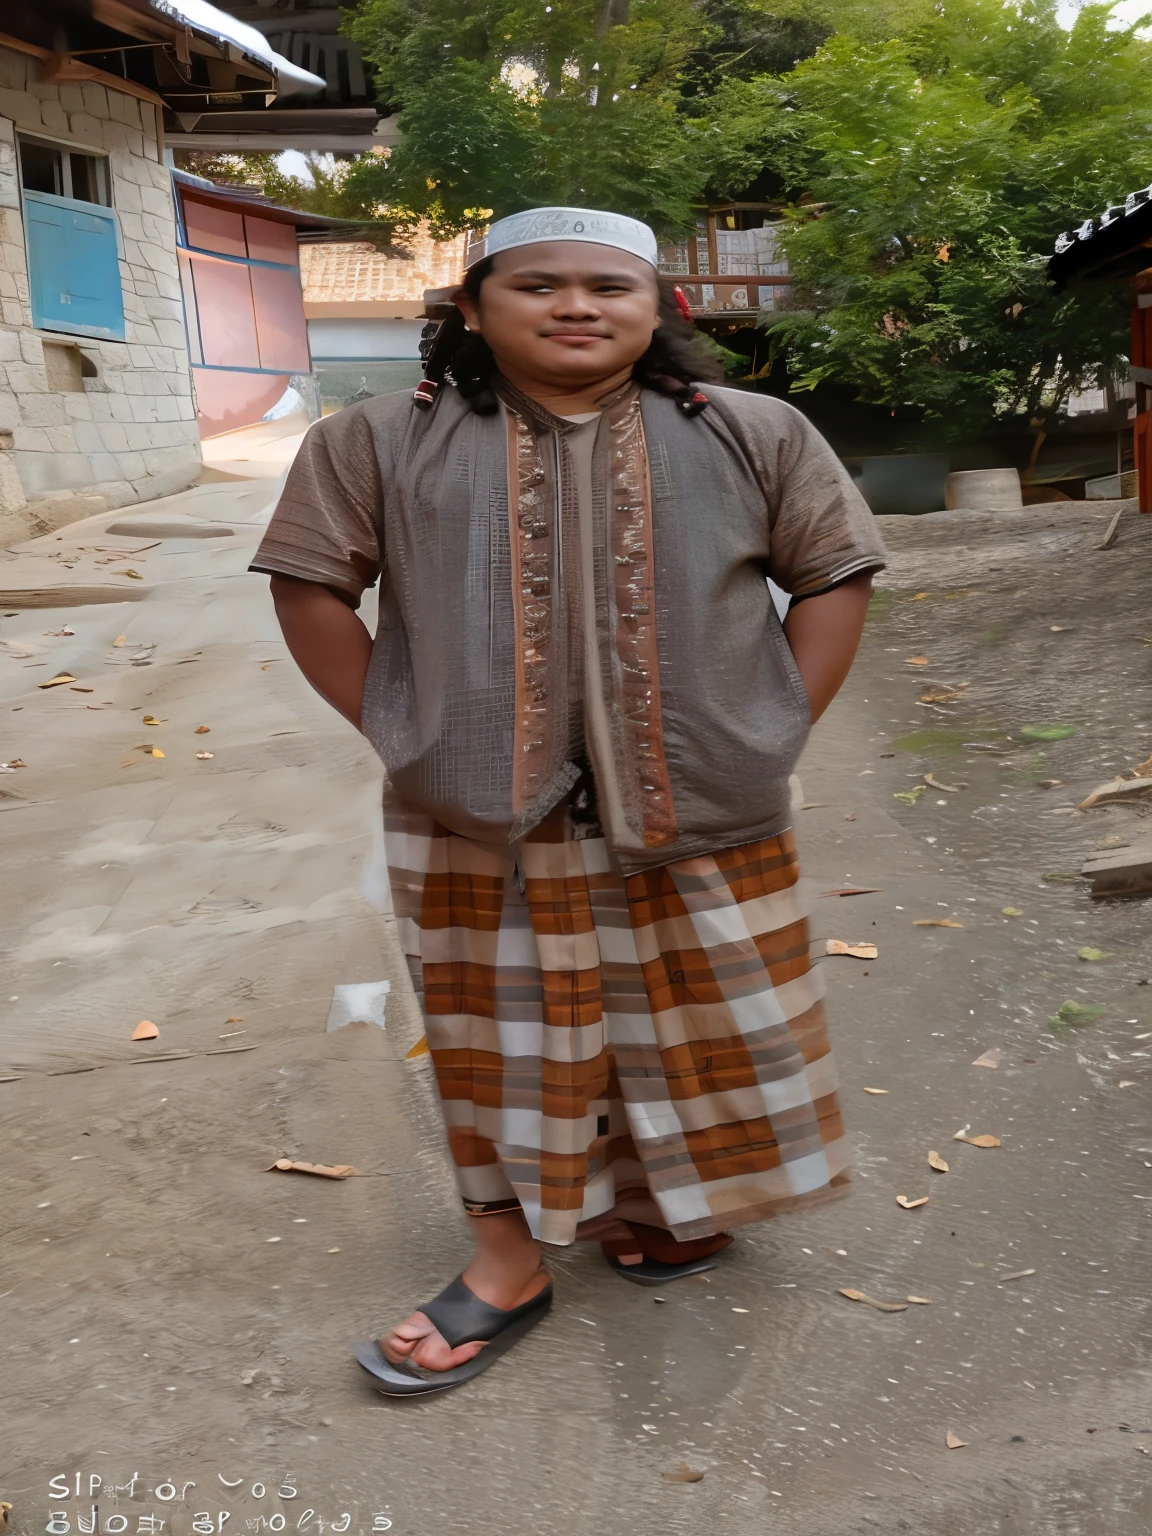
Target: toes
point(433, 1353)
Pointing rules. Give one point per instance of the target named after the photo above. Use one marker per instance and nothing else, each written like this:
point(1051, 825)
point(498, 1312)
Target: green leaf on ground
point(1047, 732)
point(910, 795)
point(1088, 953)
point(1057, 876)
point(1070, 1013)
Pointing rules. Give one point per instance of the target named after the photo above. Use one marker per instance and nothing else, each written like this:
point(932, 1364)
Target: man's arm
point(328, 642)
point(824, 632)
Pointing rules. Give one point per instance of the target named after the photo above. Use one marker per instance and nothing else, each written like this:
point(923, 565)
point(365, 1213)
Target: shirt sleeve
point(822, 531)
point(327, 526)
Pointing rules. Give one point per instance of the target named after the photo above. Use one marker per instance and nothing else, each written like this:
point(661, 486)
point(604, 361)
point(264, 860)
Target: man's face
point(565, 313)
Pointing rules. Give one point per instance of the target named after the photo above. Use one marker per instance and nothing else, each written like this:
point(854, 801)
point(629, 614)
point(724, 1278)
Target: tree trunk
point(611, 13)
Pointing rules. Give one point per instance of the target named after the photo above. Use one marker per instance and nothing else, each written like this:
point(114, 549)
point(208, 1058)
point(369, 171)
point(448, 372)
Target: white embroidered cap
point(592, 225)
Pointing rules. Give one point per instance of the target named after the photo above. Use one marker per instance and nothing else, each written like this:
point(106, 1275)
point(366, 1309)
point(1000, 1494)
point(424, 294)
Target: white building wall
point(363, 340)
point(129, 432)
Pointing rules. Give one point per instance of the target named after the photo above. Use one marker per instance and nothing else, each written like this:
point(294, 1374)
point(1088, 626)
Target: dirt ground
point(176, 1318)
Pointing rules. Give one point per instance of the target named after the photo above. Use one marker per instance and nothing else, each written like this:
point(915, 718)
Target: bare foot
point(499, 1282)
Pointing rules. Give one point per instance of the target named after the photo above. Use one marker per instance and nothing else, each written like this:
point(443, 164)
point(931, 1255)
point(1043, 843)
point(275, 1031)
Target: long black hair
point(673, 365)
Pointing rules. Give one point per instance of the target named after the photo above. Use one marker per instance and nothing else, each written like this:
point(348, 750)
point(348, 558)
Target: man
point(588, 711)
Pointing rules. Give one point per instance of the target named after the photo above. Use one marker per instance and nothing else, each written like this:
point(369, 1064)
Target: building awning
point(205, 18)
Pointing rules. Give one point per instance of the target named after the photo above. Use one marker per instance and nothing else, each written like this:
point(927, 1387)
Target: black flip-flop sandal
point(460, 1316)
point(653, 1272)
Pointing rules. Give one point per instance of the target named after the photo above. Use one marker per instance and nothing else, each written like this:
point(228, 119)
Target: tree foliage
point(943, 162)
point(509, 103)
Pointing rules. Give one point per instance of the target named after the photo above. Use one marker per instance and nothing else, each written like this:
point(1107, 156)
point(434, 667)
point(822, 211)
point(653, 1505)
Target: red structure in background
point(243, 303)
point(1113, 248)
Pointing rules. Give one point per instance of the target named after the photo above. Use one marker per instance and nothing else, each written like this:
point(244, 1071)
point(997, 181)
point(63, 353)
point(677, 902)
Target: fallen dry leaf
point(57, 632)
point(201, 730)
point(919, 1301)
point(977, 1141)
point(152, 720)
point(854, 890)
point(120, 640)
point(974, 1263)
point(919, 596)
point(419, 1049)
point(952, 789)
point(935, 922)
point(911, 1205)
point(321, 1170)
point(1020, 1274)
point(135, 575)
point(237, 1018)
point(205, 756)
point(145, 1030)
point(876, 1090)
point(54, 682)
point(1128, 1082)
point(857, 951)
point(917, 661)
point(79, 688)
point(954, 1442)
point(937, 1162)
point(870, 1301)
point(682, 1474)
point(154, 752)
point(991, 1058)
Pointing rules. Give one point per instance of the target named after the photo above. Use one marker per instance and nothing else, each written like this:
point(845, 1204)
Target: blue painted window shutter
point(74, 269)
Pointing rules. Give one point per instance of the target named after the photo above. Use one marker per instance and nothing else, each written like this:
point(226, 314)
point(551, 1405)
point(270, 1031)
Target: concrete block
point(131, 466)
point(8, 286)
point(125, 109)
point(114, 436)
point(11, 227)
point(31, 440)
point(116, 493)
point(61, 439)
point(12, 496)
point(13, 69)
point(26, 380)
point(32, 349)
point(21, 107)
point(95, 99)
point(99, 405)
point(54, 117)
point(157, 201)
point(9, 412)
point(78, 407)
point(159, 258)
point(71, 96)
point(9, 346)
point(128, 198)
point(13, 312)
point(121, 407)
point(139, 435)
point(42, 410)
point(14, 259)
point(132, 228)
point(86, 128)
point(87, 436)
point(42, 473)
point(104, 468)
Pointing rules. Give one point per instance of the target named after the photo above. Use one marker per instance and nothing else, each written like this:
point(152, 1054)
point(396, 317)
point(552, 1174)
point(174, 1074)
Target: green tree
point(941, 163)
point(509, 103)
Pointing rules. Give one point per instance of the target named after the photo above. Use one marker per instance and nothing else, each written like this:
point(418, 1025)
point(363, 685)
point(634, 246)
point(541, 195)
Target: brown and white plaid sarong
point(651, 1047)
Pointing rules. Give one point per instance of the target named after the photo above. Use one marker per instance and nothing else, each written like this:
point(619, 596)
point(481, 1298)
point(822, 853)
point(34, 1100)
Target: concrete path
point(173, 1309)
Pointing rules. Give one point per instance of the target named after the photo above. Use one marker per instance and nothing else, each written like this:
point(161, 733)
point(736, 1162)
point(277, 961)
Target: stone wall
point(107, 418)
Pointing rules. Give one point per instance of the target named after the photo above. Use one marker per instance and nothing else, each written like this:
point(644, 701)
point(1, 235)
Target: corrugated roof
point(344, 273)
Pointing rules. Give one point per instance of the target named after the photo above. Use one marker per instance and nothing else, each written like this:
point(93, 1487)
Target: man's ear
point(469, 308)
